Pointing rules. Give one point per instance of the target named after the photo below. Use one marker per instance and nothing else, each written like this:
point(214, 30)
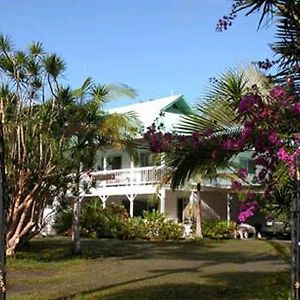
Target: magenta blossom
point(243, 173)
point(214, 154)
point(296, 108)
point(251, 196)
point(282, 154)
point(273, 138)
point(247, 208)
point(247, 102)
point(235, 185)
point(277, 92)
point(196, 139)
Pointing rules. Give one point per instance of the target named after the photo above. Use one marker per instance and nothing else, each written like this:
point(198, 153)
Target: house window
point(248, 164)
point(144, 160)
point(99, 166)
point(181, 204)
point(114, 163)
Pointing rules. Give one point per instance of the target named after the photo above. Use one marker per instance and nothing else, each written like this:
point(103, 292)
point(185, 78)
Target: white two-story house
point(136, 184)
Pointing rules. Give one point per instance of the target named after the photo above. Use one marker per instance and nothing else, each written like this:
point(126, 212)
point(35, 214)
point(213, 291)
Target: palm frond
point(54, 65)
point(120, 90)
point(218, 115)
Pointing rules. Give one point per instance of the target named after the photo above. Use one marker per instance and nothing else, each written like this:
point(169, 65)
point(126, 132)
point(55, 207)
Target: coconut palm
point(287, 21)
point(217, 117)
point(95, 129)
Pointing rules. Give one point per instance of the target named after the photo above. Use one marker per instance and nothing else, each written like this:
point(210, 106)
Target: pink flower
point(196, 139)
point(273, 138)
point(235, 185)
point(282, 154)
point(246, 209)
point(243, 173)
point(247, 102)
point(296, 108)
point(208, 132)
point(247, 130)
point(260, 161)
point(277, 91)
point(251, 196)
point(214, 154)
point(262, 174)
point(266, 112)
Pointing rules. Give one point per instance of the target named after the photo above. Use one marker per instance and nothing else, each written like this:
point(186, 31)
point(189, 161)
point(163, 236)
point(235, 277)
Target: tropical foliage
point(285, 14)
point(50, 131)
point(113, 221)
point(234, 118)
point(218, 230)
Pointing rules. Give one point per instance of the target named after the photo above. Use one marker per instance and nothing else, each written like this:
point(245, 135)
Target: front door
point(181, 204)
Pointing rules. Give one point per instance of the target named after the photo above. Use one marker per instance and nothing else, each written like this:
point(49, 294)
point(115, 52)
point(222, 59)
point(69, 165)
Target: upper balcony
point(135, 180)
point(122, 181)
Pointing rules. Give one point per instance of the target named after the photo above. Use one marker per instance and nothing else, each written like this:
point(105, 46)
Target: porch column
point(228, 207)
point(131, 172)
point(103, 199)
point(131, 198)
point(162, 198)
point(104, 163)
point(191, 198)
point(162, 160)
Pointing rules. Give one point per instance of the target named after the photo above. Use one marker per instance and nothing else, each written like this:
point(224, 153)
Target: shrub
point(216, 229)
point(114, 222)
point(134, 228)
point(95, 221)
point(171, 230)
point(110, 222)
point(159, 228)
point(63, 222)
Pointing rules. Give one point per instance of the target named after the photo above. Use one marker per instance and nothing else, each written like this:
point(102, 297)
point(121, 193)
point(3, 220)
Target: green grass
point(113, 269)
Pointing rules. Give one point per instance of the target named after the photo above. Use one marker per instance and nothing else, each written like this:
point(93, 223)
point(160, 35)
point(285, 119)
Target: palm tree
point(287, 20)
point(50, 131)
point(217, 118)
point(27, 93)
point(92, 129)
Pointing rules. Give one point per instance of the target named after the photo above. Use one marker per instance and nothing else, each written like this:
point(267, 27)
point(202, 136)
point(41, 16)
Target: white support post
point(131, 198)
point(104, 163)
point(191, 198)
point(103, 199)
point(228, 207)
point(131, 172)
point(162, 160)
point(131, 208)
point(162, 198)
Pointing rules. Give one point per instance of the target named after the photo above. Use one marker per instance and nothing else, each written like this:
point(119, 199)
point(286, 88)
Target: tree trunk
point(76, 216)
point(76, 226)
point(2, 217)
point(198, 214)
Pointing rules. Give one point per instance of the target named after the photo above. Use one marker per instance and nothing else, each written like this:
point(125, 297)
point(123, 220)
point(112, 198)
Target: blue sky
point(158, 47)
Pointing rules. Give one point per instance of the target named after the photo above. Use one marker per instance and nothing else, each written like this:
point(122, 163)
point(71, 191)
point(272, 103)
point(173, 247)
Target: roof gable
point(172, 107)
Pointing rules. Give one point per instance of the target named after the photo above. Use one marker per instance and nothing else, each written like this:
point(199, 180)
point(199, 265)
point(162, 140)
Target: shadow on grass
point(59, 249)
point(220, 268)
point(237, 285)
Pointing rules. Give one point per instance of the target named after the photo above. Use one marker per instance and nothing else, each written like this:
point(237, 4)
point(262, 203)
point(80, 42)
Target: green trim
point(178, 106)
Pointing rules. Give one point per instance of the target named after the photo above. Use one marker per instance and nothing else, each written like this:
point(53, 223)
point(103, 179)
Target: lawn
point(113, 269)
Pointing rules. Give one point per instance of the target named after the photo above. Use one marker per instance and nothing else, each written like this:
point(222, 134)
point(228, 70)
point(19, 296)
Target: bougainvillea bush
point(268, 124)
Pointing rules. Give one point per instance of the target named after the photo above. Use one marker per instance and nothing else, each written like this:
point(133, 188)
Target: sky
point(157, 47)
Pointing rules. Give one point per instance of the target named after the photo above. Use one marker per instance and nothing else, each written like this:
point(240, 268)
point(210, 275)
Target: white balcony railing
point(126, 177)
